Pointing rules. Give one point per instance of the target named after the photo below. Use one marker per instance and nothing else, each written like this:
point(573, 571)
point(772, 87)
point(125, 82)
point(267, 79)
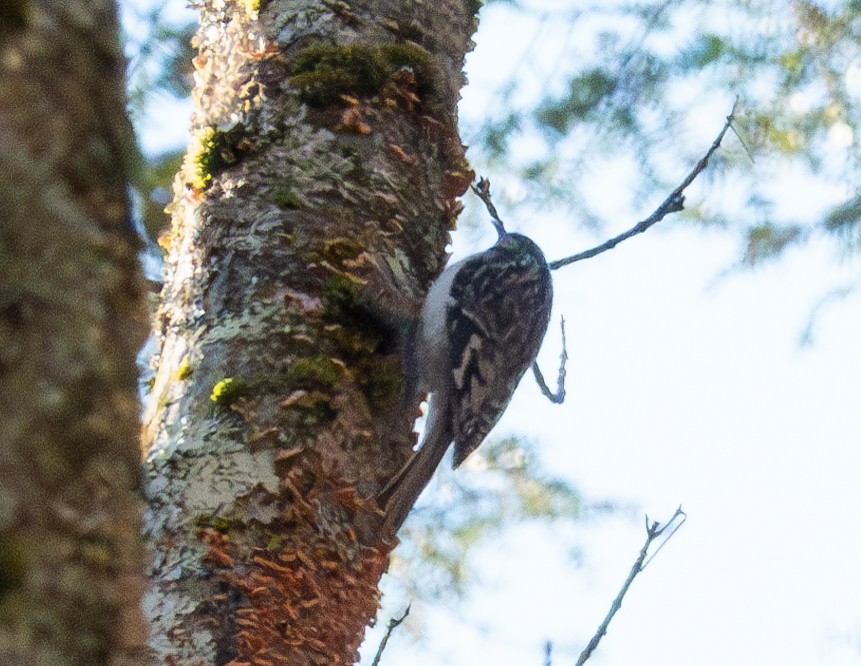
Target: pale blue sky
point(684, 388)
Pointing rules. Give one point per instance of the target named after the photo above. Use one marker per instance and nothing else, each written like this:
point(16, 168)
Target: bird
point(480, 327)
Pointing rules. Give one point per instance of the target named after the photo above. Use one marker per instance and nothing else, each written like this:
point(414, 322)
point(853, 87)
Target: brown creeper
point(480, 328)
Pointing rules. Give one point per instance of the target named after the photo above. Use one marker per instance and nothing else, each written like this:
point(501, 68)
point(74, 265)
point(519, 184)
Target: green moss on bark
point(324, 72)
point(318, 372)
point(216, 151)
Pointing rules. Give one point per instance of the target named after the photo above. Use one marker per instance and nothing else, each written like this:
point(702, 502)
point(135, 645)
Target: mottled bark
point(71, 321)
point(311, 215)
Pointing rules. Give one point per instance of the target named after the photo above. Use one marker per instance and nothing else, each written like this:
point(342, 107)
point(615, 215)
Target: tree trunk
point(309, 219)
point(71, 321)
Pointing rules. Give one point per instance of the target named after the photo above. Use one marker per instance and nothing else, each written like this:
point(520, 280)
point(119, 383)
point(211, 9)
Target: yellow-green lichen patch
point(215, 151)
point(273, 544)
point(324, 72)
point(183, 372)
point(227, 391)
point(217, 523)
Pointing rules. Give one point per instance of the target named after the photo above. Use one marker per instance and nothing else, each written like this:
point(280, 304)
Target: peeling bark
point(310, 216)
point(71, 321)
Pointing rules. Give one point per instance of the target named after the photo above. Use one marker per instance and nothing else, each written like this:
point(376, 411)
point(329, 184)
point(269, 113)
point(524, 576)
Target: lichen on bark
point(296, 266)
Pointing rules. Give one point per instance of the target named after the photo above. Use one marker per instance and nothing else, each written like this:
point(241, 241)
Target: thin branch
point(393, 623)
point(559, 397)
point(653, 532)
point(674, 203)
point(482, 191)
point(677, 514)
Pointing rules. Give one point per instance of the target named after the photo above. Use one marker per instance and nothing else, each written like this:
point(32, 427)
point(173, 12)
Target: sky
point(689, 386)
point(684, 389)
point(681, 392)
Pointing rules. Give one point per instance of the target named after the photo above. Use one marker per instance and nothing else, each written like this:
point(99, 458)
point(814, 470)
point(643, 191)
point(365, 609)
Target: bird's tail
point(401, 493)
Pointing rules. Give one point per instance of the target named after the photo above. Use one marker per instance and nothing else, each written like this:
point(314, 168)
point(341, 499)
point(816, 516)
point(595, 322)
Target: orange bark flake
point(306, 560)
point(353, 121)
point(401, 154)
point(269, 564)
point(296, 599)
point(301, 608)
point(216, 548)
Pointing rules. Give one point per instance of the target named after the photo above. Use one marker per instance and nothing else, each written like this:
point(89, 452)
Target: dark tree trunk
point(71, 321)
point(310, 216)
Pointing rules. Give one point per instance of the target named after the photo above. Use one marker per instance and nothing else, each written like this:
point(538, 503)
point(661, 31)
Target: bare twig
point(672, 204)
point(482, 191)
point(393, 623)
point(678, 514)
point(559, 397)
point(653, 532)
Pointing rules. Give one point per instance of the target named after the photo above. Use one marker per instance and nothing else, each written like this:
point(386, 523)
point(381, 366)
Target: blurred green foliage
point(626, 84)
point(468, 510)
point(628, 81)
point(158, 46)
